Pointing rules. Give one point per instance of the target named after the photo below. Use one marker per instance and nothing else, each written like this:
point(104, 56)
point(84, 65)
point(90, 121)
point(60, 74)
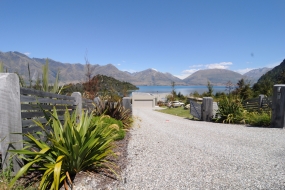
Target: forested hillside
point(276, 75)
point(266, 81)
point(101, 84)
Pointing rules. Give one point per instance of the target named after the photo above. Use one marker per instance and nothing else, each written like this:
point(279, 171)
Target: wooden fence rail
point(255, 104)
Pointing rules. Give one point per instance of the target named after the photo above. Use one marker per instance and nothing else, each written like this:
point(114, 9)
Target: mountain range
point(75, 73)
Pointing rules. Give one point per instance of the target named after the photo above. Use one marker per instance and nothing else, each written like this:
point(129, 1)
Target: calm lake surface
point(185, 90)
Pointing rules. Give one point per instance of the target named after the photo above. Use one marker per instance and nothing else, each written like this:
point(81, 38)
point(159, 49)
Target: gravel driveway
point(170, 152)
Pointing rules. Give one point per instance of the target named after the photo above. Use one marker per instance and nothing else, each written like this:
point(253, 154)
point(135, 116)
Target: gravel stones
point(170, 152)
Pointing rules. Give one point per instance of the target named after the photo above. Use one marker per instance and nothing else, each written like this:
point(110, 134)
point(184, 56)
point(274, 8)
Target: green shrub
point(71, 147)
point(107, 121)
point(115, 110)
point(230, 110)
point(260, 119)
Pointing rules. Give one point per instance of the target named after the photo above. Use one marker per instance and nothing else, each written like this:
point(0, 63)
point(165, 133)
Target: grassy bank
point(180, 111)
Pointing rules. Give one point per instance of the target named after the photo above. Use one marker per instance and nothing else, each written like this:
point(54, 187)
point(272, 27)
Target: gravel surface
point(170, 152)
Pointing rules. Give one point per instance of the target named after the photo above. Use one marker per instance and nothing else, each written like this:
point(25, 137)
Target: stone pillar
point(260, 99)
point(278, 106)
point(78, 102)
point(10, 119)
point(127, 103)
point(207, 109)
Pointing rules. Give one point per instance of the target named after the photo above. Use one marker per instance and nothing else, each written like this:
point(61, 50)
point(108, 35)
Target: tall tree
point(229, 87)
point(173, 92)
point(243, 89)
point(210, 89)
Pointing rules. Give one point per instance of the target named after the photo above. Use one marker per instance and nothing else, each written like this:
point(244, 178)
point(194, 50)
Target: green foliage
point(196, 94)
point(261, 119)
point(230, 110)
point(45, 81)
point(275, 75)
point(264, 86)
point(243, 89)
point(71, 147)
point(210, 89)
point(102, 85)
point(114, 110)
point(107, 121)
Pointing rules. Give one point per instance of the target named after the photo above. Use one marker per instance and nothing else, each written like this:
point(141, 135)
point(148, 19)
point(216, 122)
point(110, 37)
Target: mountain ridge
point(75, 72)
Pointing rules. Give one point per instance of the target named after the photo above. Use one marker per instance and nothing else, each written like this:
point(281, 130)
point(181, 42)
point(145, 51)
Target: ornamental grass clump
point(107, 120)
point(77, 144)
point(230, 110)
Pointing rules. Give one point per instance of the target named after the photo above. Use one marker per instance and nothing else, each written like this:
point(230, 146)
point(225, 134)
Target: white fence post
point(78, 101)
point(10, 118)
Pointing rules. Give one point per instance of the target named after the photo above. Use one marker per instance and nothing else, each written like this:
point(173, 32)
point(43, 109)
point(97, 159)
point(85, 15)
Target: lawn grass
point(179, 111)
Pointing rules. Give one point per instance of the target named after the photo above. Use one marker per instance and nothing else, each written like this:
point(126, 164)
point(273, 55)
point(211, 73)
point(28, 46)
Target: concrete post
point(207, 109)
point(278, 106)
point(127, 103)
point(260, 99)
point(10, 119)
point(78, 102)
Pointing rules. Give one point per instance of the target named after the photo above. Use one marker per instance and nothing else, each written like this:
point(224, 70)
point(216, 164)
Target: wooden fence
point(255, 104)
point(20, 106)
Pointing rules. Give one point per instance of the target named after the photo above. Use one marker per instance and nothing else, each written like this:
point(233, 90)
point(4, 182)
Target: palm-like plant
point(230, 110)
point(71, 147)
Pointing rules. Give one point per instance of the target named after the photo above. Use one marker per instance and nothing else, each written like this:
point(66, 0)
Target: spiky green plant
point(45, 84)
point(107, 120)
point(77, 144)
point(115, 110)
point(230, 110)
point(45, 80)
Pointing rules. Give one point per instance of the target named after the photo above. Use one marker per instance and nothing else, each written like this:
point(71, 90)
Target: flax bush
point(71, 147)
point(230, 110)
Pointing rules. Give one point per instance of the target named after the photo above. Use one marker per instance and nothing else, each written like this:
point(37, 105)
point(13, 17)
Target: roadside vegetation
point(232, 102)
point(55, 156)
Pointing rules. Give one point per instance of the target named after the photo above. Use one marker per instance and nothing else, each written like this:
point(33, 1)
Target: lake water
point(185, 90)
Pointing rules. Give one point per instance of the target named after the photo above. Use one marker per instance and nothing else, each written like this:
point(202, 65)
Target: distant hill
point(104, 85)
point(74, 73)
point(152, 77)
point(217, 77)
point(255, 74)
point(71, 73)
point(274, 75)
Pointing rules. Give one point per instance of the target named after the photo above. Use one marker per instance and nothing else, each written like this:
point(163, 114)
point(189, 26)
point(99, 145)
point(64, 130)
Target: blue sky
point(177, 36)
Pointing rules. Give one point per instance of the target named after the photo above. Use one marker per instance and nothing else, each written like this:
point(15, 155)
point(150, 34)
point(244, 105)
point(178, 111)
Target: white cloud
point(27, 53)
point(118, 64)
point(196, 66)
point(242, 71)
point(222, 65)
point(186, 73)
point(154, 69)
